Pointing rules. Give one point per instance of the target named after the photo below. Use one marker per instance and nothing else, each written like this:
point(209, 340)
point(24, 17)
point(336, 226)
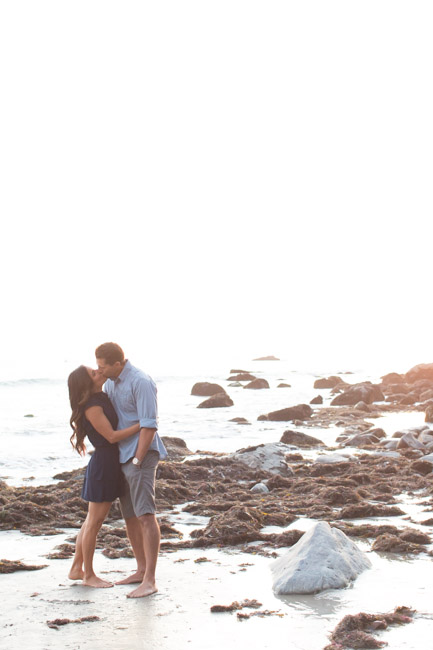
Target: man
point(133, 394)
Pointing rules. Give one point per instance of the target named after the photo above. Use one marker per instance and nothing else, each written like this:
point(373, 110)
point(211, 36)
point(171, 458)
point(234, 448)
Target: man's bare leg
point(95, 518)
point(135, 534)
point(151, 537)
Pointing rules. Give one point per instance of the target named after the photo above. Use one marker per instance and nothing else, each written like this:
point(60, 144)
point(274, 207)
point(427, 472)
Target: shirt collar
point(125, 372)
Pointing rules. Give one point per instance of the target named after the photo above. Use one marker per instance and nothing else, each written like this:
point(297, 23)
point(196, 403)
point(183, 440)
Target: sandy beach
point(219, 538)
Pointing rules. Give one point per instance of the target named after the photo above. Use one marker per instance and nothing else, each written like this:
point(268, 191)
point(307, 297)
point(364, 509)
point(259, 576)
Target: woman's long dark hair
point(80, 389)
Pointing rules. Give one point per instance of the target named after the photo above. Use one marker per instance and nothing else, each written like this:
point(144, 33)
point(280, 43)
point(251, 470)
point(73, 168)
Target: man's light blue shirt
point(133, 394)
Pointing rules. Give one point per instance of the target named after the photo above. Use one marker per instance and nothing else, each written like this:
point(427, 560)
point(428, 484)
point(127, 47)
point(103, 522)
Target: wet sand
point(179, 615)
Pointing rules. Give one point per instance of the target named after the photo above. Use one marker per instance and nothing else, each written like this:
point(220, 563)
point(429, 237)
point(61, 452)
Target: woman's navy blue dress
point(103, 478)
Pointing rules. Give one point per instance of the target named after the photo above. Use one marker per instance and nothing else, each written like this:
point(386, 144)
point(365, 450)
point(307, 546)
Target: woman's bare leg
point(94, 520)
point(76, 572)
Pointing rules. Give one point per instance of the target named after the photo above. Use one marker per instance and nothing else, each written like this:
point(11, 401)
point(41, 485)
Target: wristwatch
point(135, 461)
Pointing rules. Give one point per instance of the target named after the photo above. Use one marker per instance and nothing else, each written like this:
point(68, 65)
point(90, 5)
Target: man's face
point(107, 371)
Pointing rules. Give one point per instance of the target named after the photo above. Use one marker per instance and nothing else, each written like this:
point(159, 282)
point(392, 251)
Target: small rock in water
point(29, 415)
point(257, 384)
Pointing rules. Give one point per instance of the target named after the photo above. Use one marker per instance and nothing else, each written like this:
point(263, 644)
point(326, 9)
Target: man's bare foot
point(76, 574)
point(136, 577)
point(96, 582)
point(145, 589)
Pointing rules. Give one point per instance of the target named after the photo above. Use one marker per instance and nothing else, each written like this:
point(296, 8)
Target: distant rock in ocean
point(270, 358)
point(324, 558)
point(299, 412)
point(257, 384)
point(216, 401)
point(205, 389)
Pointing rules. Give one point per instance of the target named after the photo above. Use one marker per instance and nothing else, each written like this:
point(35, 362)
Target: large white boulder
point(324, 558)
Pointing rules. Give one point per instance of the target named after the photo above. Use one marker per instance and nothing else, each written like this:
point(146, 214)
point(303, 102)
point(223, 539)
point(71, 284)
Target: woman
point(93, 415)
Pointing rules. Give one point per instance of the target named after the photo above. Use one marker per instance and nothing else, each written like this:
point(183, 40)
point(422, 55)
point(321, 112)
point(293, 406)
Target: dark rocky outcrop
point(205, 389)
point(362, 392)
point(269, 358)
point(257, 384)
point(299, 412)
point(317, 400)
point(421, 371)
point(242, 376)
point(219, 400)
point(300, 439)
point(329, 382)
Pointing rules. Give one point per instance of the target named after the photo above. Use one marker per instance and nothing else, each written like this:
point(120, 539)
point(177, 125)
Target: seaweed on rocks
point(356, 631)
point(10, 566)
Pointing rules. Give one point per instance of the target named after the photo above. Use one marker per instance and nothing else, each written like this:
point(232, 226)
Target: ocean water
point(34, 414)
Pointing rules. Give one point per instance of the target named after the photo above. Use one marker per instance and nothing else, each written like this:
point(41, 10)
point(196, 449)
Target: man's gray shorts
point(139, 490)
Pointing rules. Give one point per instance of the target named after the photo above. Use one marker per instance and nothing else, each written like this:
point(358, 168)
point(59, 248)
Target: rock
point(329, 459)
point(421, 371)
point(317, 400)
point(422, 466)
point(429, 414)
point(300, 439)
point(236, 525)
point(205, 389)
point(259, 488)
point(299, 412)
point(270, 358)
point(392, 378)
point(269, 458)
point(328, 382)
point(284, 385)
point(257, 384)
point(394, 544)
point(240, 421)
point(176, 447)
point(235, 384)
point(239, 372)
point(426, 437)
point(363, 392)
point(409, 399)
point(409, 440)
point(216, 401)
point(362, 510)
point(378, 432)
point(242, 376)
point(324, 558)
point(361, 439)
point(362, 406)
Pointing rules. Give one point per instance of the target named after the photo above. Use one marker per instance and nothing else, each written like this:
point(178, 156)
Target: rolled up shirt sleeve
point(146, 403)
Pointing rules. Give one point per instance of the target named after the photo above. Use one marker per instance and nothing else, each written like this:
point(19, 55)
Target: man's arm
point(144, 442)
point(147, 412)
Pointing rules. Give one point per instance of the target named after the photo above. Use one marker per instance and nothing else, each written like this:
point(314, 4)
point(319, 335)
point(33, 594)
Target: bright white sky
point(195, 179)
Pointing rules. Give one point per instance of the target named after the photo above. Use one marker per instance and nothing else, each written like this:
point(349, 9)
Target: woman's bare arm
point(100, 422)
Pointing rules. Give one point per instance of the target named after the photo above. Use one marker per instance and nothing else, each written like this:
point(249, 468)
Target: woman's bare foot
point(76, 573)
point(145, 589)
point(96, 582)
point(136, 577)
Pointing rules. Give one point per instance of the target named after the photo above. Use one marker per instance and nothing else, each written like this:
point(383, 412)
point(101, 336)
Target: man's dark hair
point(110, 352)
